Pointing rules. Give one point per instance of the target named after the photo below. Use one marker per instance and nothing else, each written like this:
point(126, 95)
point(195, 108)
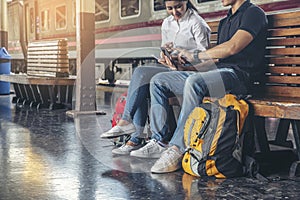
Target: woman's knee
point(140, 71)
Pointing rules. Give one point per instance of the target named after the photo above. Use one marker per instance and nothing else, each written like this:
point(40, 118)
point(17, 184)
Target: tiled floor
point(48, 155)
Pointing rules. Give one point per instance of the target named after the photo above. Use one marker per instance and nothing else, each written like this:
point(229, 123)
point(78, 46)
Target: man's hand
point(184, 56)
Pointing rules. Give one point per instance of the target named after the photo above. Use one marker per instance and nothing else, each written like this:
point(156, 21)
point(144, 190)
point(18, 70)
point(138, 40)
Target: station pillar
point(3, 24)
point(85, 45)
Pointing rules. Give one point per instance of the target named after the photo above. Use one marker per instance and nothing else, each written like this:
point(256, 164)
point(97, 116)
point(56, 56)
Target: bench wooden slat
point(284, 69)
point(51, 52)
point(213, 26)
point(50, 61)
point(279, 107)
point(284, 79)
point(284, 41)
point(284, 51)
point(286, 19)
point(45, 66)
point(285, 15)
point(58, 56)
point(285, 22)
point(46, 73)
point(265, 110)
point(213, 38)
point(284, 60)
point(60, 42)
point(47, 48)
point(284, 32)
point(281, 91)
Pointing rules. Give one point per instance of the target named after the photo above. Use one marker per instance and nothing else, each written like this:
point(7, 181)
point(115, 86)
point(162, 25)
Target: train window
point(101, 10)
point(202, 1)
point(130, 8)
point(159, 5)
point(60, 17)
point(45, 23)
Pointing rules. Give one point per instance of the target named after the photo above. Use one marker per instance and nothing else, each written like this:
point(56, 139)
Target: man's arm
point(233, 46)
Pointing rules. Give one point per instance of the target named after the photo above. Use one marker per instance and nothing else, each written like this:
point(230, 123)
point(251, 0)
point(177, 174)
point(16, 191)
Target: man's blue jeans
point(136, 108)
point(193, 86)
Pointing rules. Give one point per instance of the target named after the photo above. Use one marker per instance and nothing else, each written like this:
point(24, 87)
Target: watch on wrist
point(196, 58)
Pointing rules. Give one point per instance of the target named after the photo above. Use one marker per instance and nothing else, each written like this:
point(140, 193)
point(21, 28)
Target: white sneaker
point(151, 150)
point(125, 149)
point(169, 161)
point(119, 131)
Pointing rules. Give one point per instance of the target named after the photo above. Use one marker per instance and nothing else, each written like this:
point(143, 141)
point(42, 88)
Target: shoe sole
point(167, 171)
point(143, 156)
point(172, 168)
point(111, 137)
point(120, 154)
point(124, 154)
point(117, 135)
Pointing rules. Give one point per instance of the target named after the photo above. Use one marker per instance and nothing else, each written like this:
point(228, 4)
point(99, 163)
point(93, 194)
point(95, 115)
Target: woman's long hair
point(189, 4)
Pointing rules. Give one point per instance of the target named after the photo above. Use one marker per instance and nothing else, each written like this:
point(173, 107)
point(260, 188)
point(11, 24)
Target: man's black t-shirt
point(253, 20)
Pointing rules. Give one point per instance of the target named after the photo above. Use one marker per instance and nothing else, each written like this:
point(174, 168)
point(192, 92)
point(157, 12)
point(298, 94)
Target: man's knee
point(156, 79)
point(195, 79)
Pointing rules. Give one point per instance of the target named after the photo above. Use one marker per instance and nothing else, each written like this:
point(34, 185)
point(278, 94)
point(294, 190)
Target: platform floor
point(48, 155)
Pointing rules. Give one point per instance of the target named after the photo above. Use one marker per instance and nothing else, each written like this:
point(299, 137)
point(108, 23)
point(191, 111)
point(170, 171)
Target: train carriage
point(127, 32)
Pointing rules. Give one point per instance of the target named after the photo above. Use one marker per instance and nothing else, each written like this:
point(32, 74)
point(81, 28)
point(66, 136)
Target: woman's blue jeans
point(136, 108)
point(193, 86)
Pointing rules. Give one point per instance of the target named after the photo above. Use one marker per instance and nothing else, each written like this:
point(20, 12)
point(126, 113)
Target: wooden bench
point(279, 96)
point(48, 58)
point(47, 83)
point(41, 92)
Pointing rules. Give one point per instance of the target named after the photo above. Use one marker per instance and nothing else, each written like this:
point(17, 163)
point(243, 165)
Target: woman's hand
point(169, 46)
point(164, 60)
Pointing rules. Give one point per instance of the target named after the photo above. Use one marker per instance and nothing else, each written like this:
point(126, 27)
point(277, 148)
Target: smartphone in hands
point(166, 53)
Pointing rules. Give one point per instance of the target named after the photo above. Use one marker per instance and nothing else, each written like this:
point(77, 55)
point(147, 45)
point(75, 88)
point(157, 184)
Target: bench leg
point(295, 165)
point(282, 133)
point(55, 97)
point(20, 93)
point(64, 95)
point(23, 99)
point(69, 96)
point(261, 140)
point(29, 95)
point(17, 93)
point(36, 96)
point(44, 96)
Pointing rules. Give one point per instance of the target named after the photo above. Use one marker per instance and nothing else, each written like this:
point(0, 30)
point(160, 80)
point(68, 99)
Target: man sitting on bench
point(226, 68)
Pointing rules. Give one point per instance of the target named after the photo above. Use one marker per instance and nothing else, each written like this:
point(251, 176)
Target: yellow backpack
point(212, 134)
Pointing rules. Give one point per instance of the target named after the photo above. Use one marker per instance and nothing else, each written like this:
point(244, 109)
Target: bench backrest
point(282, 55)
point(48, 58)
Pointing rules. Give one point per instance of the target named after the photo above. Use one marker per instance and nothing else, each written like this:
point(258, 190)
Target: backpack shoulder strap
point(251, 169)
